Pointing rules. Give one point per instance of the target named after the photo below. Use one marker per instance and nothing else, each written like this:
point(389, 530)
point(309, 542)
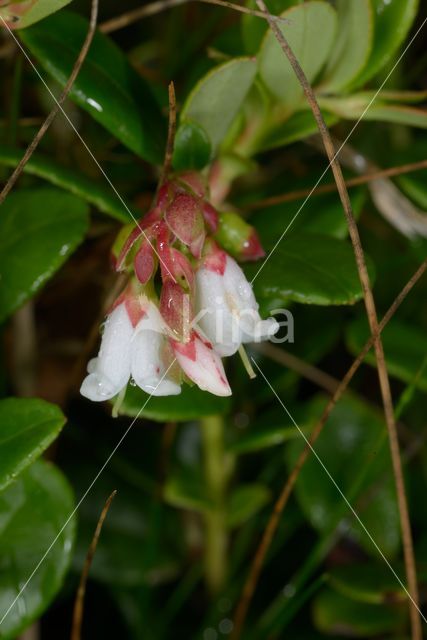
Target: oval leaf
point(353, 44)
point(27, 428)
point(192, 148)
point(107, 86)
point(33, 509)
point(39, 228)
point(217, 98)
point(38, 10)
point(310, 34)
point(303, 268)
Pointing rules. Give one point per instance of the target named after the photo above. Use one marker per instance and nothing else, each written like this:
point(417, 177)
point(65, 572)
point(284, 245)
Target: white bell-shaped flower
point(110, 371)
point(228, 310)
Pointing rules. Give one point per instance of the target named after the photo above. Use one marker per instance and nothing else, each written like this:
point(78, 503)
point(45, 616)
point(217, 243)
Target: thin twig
point(46, 124)
point(269, 531)
point(331, 187)
point(171, 135)
point(408, 547)
point(79, 603)
point(151, 9)
point(308, 371)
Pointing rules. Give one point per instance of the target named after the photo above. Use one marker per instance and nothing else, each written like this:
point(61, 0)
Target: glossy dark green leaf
point(192, 403)
point(369, 583)
point(27, 428)
point(336, 614)
point(245, 502)
point(308, 268)
point(318, 214)
point(405, 349)
point(392, 19)
point(39, 228)
point(96, 194)
point(217, 98)
point(107, 86)
point(353, 44)
point(192, 149)
point(353, 438)
point(311, 35)
point(33, 511)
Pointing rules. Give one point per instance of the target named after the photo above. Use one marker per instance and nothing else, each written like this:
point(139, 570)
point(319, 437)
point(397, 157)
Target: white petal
point(147, 367)
point(205, 368)
point(263, 330)
point(110, 371)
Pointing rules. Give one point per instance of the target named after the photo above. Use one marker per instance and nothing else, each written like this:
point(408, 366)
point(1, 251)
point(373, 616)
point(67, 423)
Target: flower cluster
point(204, 311)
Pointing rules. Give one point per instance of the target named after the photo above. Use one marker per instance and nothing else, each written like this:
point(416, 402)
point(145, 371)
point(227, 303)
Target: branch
point(331, 187)
point(171, 135)
point(79, 603)
point(151, 9)
point(46, 124)
point(408, 548)
point(270, 529)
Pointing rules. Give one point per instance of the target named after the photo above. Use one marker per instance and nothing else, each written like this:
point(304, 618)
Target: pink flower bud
point(185, 220)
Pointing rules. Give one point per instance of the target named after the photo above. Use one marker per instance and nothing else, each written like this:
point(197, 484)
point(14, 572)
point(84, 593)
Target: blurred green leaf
point(311, 35)
point(33, 511)
point(405, 349)
point(107, 85)
point(263, 438)
point(39, 229)
point(245, 502)
point(353, 44)
point(39, 10)
point(369, 583)
point(254, 27)
point(27, 428)
point(186, 494)
point(362, 106)
point(300, 125)
point(392, 20)
point(191, 404)
point(103, 198)
point(336, 614)
point(350, 441)
point(192, 148)
point(308, 268)
point(217, 98)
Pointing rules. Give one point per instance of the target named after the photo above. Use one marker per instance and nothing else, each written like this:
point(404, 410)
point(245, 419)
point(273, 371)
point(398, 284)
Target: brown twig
point(308, 371)
point(46, 124)
point(331, 187)
point(269, 531)
point(408, 548)
point(171, 134)
point(79, 603)
point(151, 9)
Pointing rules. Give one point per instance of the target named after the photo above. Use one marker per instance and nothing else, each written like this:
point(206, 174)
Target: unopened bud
point(238, 237)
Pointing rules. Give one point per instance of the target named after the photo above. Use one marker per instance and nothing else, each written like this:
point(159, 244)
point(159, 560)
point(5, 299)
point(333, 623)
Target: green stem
point(216, 477)
point(15, 100)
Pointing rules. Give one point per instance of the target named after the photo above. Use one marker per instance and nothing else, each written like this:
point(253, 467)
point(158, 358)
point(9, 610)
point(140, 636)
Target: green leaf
point(217, 98)
point(361, 106)
point(334, 613)
point(39, 229)
point(299, 126)
point(107, 86)
point(254, 27)
point(27, 428)
point(185, 494)
point(318, 214)
point(191, 404)
point(405, 349)
point(33, 510)
point(353, 439)
point(311, 35)
point(245, 502)
point(369, 583)
point(103, 198)
point(353, 44)
point(262, 438)
point(303, 268)
point(192, 149)
point(392, 19)
point(39, 10)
